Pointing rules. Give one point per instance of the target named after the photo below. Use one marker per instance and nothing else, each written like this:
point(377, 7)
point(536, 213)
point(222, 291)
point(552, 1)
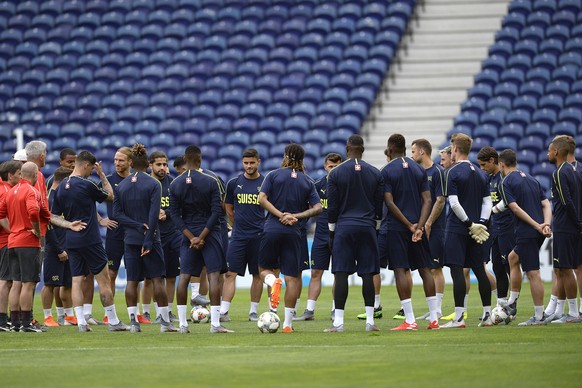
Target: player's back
point(469, 184)
point(406, 180)
point(565, 188)
point(526, 191)
point(321, 220)
point(355, 193)
point(503, 221)
point(436, 180)
point(135, 195)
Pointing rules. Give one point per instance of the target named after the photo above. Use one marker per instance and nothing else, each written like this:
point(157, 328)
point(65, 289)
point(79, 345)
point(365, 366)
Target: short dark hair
point(397, 142)
point(192, 153)
point(333, 157)
point(61, 173)
point(424, 144)
point(9, 167)
point(157, 154)
point(508, 157)
point(179, 161)
point(487, 153)
point(570, 140)
point(562, 145)
point(87, 157)
point(251, 153)
point(67, 152)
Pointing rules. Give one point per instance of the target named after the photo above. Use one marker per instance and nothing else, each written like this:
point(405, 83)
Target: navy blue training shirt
point(249, 216)
point(566, 199)
point(504, 221)
point(355, 194)
point(75, 200)
point(55, 236)
point(405, 180)
point(321, 220)
point(289, 191)
point(167, 227)
point(117, 233)
point(137, 202)
point(436, 181)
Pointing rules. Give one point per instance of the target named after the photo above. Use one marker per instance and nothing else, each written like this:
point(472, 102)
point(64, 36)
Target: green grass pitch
point(501, 355)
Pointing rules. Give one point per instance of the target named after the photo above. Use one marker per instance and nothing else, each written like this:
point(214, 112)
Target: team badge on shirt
point(357, 167)
point(293, 175)
point(472, 167)
point(67, 185)
point(188, 180)
point(404, 164)
point(133, 179)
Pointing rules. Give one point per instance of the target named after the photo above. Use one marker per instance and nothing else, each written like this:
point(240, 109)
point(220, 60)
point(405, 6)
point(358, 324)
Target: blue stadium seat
point(571, 115)
point(564, 128)
point(532, 88)
point(551, 101)
point(532, 143)
point(468, 119)
point(546, 116)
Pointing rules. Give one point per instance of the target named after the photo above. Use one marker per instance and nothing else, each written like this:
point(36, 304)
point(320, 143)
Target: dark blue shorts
point(114, 250)
point(503, 245)
point(25, 264)
point(436, 245)
point(243, 252)
point(355, 249)
point(564, 250)
point(487, 246)
point(320, 254)
point(528, 250)
point(171, 246)
point(150, 266)
point(579, 250)
point(89, 259)
point(383, 250)
point(56, 272)
point(4, 264)
point(404, 253)
point(192, 261)
point(281, 251)
point(461, 249)
point(304, 264)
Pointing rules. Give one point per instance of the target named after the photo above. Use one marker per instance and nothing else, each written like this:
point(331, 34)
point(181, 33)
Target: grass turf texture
point(520, 356)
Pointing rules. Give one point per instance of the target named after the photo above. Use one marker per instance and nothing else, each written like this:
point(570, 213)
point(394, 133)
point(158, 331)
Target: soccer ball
point(499, 315)
point(200, 314)
point(268, 323)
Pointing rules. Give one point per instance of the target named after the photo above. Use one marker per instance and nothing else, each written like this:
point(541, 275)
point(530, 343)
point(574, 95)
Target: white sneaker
point(453, 324)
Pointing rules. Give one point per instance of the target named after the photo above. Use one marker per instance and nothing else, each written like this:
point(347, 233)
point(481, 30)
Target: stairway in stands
point(438, 59)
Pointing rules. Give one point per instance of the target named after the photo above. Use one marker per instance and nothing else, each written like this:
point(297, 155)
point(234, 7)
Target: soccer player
point(247, 218)
point(195, 206)
point(67, 160)
point(470, 202)
point(289, 196)
point(501, 228)
point(523, 195)
point(180, 165)
point(22, 205)
point(114, 235)
point(136, 206)
point(434, 227)
point(407, 195)
point(354, 198)
point(567, 226)
point(75, 199)
point(56, 269)
point(9, 177)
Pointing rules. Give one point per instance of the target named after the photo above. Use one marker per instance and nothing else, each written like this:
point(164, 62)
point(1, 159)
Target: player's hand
point(478, 232)
point(63, 256)
point(288, 219)
point(196, 243)
point(417, 235)
point(77, 226)
point(412, 228)
point(144, 251)
point(99, 169)
point(330, 241)
point(162, 216)
point(546, 230)
point(427, 229)
point(108, 223)
point(37, 234)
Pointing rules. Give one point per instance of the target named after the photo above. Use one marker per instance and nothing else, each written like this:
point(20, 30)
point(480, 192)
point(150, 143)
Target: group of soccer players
point(410, 215)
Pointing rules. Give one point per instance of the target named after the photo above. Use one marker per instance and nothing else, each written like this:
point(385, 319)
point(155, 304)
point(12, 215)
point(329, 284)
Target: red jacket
point(4, 188)
point(40, 186)
point(22, 206)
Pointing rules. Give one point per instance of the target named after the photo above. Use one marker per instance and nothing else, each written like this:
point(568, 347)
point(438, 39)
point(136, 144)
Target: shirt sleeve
point(33, 205)
point(450, 183)
point(121, 217)
point(175, 208)
point(229, 198)
point(437, 181)
point(154, 214)
point(97, 193)
point(266, 186)
point(506, 191)
point(424, 184)
point(313, 196)
point(379, 198)
point(332, 197)
point(386, 180)
point(215, 205)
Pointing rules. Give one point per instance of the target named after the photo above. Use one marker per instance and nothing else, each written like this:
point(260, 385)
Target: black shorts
point(304, 263)
point(504, 244)
point(564, 250)
point(56, 272)
point(436, 244)
point(211, 256)
point(171, 245)
point(4, 264)
point(281, 251)
point(461, 249)
point(355, 249)
point(114, 250)
point(150, 266)
point(383, 249)
point(406, 254)
point(243, 253)
point(528, 250)
point(25, 264)
point(89, 259)
point(320, 253)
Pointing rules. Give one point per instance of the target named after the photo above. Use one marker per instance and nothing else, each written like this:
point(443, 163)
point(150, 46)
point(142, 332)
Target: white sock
point(513, 296)
point(408, 313)
point(551, 308)
point(538, 312)
point(459, 313)
point(465, 303)
point(254, 307)
point(60, 311)
point(289, 313)
point(339, 317)
point(79, 312)
point(195, 289)
point(486, 310)
point(47, 313)
point(560, 307)
point(215, 316)
point(111, 315)
point(311, 304)
point(170, 306)
point(376, 301)
point(165, 313)
point(432, 302)
point(146, 308)
point(573, 307)
point(132, 310)
point(69, 312)
point(370, 315)
point(182, 315)
point(88, 309)
point(439, 302)
point(270, 280)
point(297, 304)
point(224, 307)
